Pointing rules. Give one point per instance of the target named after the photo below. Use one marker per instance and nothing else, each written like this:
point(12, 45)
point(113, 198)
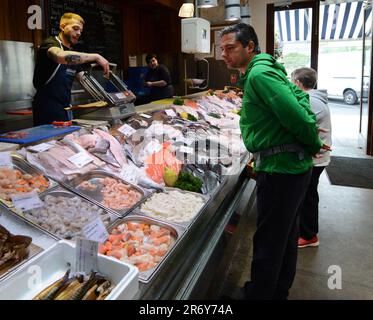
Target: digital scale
point(113, 91)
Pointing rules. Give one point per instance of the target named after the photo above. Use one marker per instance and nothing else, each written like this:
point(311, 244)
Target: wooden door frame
point(315, 6)
point(369, 142)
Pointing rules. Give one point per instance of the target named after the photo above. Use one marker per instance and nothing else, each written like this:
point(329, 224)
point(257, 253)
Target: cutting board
point(40, 133)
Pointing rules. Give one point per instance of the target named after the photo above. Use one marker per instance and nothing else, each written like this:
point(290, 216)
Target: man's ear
point(62, 26)
point(251, 46)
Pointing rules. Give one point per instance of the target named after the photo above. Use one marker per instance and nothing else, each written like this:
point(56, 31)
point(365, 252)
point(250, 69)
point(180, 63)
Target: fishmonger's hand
point(104, 64)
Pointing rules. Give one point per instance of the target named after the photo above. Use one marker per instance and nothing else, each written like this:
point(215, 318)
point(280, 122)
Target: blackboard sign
point(102, 31)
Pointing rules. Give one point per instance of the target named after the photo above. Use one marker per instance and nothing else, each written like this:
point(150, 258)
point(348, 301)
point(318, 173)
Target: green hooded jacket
point(274, 112)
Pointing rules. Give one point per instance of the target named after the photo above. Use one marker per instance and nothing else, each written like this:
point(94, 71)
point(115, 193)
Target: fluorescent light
point(207, 3)
point(186, 10)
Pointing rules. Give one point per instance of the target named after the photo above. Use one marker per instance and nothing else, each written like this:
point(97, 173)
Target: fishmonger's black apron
point(55, 95)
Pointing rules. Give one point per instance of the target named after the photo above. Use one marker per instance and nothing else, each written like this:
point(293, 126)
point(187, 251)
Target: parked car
point(347, 88)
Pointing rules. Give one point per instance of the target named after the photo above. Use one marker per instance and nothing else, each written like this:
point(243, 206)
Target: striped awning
point(343, 21)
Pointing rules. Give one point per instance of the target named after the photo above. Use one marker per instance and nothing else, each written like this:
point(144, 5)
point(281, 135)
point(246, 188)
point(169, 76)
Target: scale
point(111, 90)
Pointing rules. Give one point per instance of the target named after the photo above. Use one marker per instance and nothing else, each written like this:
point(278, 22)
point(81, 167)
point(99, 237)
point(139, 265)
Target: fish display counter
point(165, 184)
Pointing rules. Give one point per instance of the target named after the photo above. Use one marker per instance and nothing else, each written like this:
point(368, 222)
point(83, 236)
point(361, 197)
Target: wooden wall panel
point(13, 20)
point(146, 28)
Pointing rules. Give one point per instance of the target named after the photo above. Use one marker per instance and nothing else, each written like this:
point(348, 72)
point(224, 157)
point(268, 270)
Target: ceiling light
point(207, 3)
point(186, 10)
point(232, 10)
point(245, 14)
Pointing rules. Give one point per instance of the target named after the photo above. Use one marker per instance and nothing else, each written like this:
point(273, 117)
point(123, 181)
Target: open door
point(292, 34)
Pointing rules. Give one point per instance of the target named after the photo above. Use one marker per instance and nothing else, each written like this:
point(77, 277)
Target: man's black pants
point(275, 243)
point(309, 211)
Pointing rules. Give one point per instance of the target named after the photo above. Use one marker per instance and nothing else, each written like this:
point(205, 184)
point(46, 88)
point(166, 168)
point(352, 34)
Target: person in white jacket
point(306, 79)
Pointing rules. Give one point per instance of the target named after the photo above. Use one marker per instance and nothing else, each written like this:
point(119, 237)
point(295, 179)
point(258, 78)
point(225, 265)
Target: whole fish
point(50, 292)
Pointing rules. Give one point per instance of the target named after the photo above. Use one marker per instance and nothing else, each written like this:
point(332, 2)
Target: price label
point(95, 231)
point(129, 174)
point(146, 116)
point(120, 95)
point(26, 201)
point(80, 159)
point(6, 160)
point(127, 130)
point(171, 113)
point(86, 255)
point(41, 147)
point(186, 149)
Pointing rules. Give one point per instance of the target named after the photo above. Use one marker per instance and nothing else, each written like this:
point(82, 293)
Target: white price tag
point(146, 116)
point(170, 113)
point(127, 130)
point(120, 95)
point(86, 255)
point(80, 159)
point(95, 231)
point(41, 147)
point(180, 139)
point(186, 149)
point(6, 160)
point(26, 201)
point(129, 174)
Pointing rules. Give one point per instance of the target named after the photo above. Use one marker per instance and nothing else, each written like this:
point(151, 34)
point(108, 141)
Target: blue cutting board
point(40, 133)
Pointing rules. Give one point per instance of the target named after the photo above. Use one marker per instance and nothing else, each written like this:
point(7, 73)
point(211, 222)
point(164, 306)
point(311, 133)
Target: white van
point(344, 87)
point(340, 74)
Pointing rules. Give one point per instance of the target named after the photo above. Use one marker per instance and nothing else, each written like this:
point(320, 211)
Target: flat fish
point(115, 147)
point(108, 158)
point(102, 146)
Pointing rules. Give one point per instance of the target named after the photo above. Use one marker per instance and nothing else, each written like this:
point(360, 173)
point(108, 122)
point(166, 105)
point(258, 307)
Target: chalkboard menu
point(102, 31)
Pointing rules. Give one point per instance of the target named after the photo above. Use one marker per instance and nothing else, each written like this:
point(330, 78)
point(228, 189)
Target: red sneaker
point(303, 243)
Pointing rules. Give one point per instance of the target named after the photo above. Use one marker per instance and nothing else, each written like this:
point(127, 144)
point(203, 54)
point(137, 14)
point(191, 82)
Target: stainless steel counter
point(191, 263)
point(191, 259)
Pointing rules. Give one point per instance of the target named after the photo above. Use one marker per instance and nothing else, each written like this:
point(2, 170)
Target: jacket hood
point(318, 94)
point(265, 59)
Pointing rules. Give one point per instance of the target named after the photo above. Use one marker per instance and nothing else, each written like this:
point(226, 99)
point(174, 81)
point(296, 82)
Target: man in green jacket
point(280, 129)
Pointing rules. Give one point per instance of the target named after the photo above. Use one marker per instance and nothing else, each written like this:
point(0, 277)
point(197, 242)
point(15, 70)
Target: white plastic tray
point(52, 264)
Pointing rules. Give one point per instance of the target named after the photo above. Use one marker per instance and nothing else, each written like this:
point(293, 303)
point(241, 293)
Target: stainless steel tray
point(96, 195)
point(176, 231)
point(187, 224)
point(20, 164)
point(33, 251)
point(64, 193)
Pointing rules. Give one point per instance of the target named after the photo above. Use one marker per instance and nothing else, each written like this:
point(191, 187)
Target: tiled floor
point(346, 237)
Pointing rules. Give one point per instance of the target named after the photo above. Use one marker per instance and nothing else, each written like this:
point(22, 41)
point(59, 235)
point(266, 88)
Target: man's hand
point(148, 83)
point(104, 64)
point(322, 130)
point(324, 147)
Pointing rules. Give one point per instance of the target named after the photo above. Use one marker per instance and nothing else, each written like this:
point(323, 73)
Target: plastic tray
point(39, 133)
point(96, 195)
point(52, 264)
point(59, 191)
point(176, 231)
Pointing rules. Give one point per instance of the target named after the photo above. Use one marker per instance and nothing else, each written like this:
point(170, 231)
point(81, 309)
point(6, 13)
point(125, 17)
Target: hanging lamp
point(232, 10)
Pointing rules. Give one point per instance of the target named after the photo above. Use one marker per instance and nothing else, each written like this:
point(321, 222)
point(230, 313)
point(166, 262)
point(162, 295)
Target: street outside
point(345, 129)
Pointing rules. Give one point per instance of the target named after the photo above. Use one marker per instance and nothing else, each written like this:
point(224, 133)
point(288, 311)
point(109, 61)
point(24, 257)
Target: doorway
point(292, 34)
point(334, 38)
